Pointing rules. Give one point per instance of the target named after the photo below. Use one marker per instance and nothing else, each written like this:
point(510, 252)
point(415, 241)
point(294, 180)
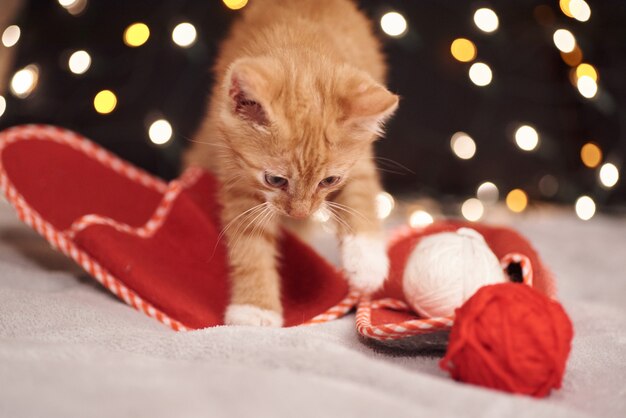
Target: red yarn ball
point(510, 337)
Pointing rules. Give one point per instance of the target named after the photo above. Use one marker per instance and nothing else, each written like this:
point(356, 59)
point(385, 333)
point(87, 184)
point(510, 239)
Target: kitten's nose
point(299, 210)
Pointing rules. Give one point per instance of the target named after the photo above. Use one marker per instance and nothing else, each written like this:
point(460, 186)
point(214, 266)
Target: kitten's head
point(295, 132)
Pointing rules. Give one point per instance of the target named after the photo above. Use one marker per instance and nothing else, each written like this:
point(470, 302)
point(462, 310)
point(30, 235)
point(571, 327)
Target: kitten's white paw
point(252, 315)
point(365, 262)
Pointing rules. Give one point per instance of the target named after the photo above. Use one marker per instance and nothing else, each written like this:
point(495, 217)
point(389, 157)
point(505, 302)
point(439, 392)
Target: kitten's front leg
point(363, 248)
point(254, 279)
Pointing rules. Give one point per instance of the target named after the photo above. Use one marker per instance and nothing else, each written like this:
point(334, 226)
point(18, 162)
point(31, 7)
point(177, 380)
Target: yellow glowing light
point(420, 218)
point(463, 50)
point(564, 5)
point(591, 155)
point(516, 200)
point(564, 40)
point(526, 137)
point(3, 105)
point(472, 209)
point(105, 102)
point(136, 34)
point(11, 35)
point(487, 192)
point(384, 205)
point(609, 175)
point(184, 34)
point(463, 145)
point(24, 81)
point(160, 132)
point(480, 74)
point(579, 10)
point(587, 86)
point(585, 208)
point(393, 24)
point(235, 4)
point(486, 20)
point(572, 58)
point(586, 70)
point(79, 62)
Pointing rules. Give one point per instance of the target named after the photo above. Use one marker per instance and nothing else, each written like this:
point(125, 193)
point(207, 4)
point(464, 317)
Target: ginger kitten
point(297, 103)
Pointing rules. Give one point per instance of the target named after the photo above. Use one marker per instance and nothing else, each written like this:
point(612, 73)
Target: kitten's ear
point(367, 105)
point(248, 84)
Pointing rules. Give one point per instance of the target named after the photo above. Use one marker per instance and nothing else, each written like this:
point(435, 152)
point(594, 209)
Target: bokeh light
point(472, 209)
point(564, 5)
point(3, 105)
point(25, 81)
point(105, 102)
point(463, 145)
point(564, 40)
point(548, 185)
point(486, 20)
point(11, 36)
point(516, 200)
point(587, 70)
point(73, 7)
point(526, 138)
point(609, 175)
point(184, 34)
point(487, 192)
point(235, 4)
point(136, 34)
point(463, 50)
point(591, 155)
point(160, 132)
point(578, 9)
point(585, 208)
point(480, 74)
point(384, 205)
point(572, 58)
point(420, 218)
point(587, 86)
point(79, 62)
point(393, 24)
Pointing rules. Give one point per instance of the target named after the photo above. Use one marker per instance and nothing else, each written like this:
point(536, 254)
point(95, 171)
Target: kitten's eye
point(275, 181)
point(330, 181)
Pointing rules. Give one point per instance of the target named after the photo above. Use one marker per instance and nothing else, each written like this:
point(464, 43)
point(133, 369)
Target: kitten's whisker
point(337, 218)
point(349, 210)
point(250, 223)
point(206, 143)
point(247, 213)
point(390, 161)
point(384, 170)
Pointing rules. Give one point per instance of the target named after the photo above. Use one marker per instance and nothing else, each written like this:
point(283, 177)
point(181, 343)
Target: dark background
point(531, 85)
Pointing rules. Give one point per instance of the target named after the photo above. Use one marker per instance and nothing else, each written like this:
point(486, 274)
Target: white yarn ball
point(446, 269)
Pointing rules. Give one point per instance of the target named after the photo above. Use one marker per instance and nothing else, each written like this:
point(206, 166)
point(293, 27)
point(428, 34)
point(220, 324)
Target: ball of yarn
point(510, 337)
point(445, 269)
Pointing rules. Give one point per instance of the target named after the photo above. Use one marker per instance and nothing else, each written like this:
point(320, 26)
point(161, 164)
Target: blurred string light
point(235, 4)
point(572, 58)
point(11, 36)
point(585, 208)
point(587, 86)
point(79, 62)
point(463, 50)
point(564, 40)
point(160, 132)
point(472, 209)
point(184, 34)
point(609, 175)
point(463, 145)
point(420, 218)
point(486, 20)
point(526, 138)
point(136, 34)
point(24, 81)
point(548, 185)
point(3, 105)
point(591, 155)
point(393, 24)
point(73, 7)
point(487, 192)
point(587, 70)
point(480, 74)
point(576, 9)
point(105, 102)
point(384, 205)
point(517, 200)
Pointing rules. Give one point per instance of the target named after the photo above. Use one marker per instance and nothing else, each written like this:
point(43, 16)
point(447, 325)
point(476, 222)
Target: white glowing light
point(384, 205)
point(580, 10)
point(609, 175)
point(585, 208)
point(74, 7)
point(24, 81)
point(160, 132)
point(486, 20)
point(420, 218)
point(321, 215)
point(564, 40)
point(488, 192)
point(526, 137)
point(3, 105)
point(480, 74)
point(184, 34)
point(463, 145)
point(67, 3)
point(587, 86)
point(11, 35)
point(393, 24)
point(472, 209)
point(79, 62)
